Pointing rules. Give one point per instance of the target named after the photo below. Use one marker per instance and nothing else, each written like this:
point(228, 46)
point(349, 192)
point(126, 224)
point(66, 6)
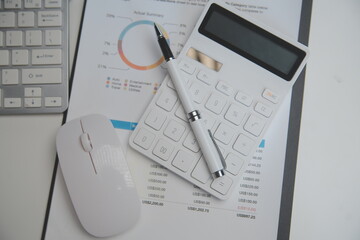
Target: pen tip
point(157, 30)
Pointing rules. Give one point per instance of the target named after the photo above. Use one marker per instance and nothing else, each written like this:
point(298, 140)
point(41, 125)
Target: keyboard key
point(14, 38)
point(167, 101)
point(46, 56)
point(49, 19)
point(144, 138)
point(224, 133)
point(10, 76)
point(215, 103)
point(33, 4)
point(174, 130)
point(7, 19)
point(20, 57)
point(183, 161)
point(235, 114)
point(155, 119)
point(52, 37)
point(233, 164)
point(41, 75)
point(32, 92)
point(12, 4)
point(53, 101)
point(33, 38)
point(4, 58)
point(163, 149)
point(12, 102)
point(52, 3)
point(201, 171)
point(1, 38)
point(254, 125)
point(222, 184)
point(243, 98)
point(263, 109)
point(243, 145)
point(26, 19)
point(32, 102)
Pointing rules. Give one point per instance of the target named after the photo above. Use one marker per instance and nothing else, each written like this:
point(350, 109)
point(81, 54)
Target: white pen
point(210, 150)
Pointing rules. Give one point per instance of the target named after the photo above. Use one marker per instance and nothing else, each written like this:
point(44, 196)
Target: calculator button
point(12, 102)
point(205, 77)
point(186, 67)
point(0, 97)
point(183, 161)
point(215, 103)
point(201, 171)
point(155, 119)
point(198, 92)
point(222, 184)
point(235, 114)
point(144, 138)
point(167, 101)
point(233, 164)
point(243, 145)
point(190, 143)
point(263, 109)
point(224, 133)
point(271, 96)
point(243, 98)
point(32, 102)
point(163, 149)
point(224, 88)
point(180, 113)
point(171, 85)
point(254, 125)
point(174, 130)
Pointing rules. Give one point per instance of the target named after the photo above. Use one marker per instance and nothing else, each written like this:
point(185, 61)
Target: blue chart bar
point(123, 125)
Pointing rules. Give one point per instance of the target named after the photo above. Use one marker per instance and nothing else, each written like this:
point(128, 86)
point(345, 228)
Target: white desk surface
point(327, 196)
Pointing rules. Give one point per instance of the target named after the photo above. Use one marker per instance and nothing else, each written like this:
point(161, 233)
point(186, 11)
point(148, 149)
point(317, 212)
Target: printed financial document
point(118, 70)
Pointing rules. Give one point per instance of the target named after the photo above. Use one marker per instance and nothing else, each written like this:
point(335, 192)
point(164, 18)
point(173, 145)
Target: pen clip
point(218, 149)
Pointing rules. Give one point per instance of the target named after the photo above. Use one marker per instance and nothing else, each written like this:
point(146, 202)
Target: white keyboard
point(33, 56)
point(236, 120)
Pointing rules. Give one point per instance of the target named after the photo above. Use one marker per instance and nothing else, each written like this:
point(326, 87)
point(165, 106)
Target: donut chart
point(121, 50)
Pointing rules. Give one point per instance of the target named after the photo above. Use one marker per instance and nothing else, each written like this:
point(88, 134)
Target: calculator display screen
point(252, 42)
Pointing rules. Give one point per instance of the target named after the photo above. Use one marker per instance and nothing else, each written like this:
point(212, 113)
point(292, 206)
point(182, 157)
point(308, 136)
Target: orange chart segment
point(121, 51)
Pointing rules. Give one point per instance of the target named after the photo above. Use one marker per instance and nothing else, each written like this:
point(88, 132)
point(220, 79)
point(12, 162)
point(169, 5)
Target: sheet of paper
point(118, 71)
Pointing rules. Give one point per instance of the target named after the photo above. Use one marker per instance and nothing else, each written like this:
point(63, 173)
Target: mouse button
point(86, 142)
point(100, 130)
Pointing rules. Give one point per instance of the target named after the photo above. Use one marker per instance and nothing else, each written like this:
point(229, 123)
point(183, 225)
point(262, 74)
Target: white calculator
point(238, 72)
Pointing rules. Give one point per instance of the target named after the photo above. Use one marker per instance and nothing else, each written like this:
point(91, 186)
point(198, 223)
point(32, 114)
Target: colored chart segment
point(121, 50)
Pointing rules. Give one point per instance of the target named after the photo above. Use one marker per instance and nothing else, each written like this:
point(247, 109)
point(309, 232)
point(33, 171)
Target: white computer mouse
point(97, 176)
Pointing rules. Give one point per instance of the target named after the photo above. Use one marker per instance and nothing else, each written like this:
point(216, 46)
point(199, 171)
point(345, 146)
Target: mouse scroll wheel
point(85, 142)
